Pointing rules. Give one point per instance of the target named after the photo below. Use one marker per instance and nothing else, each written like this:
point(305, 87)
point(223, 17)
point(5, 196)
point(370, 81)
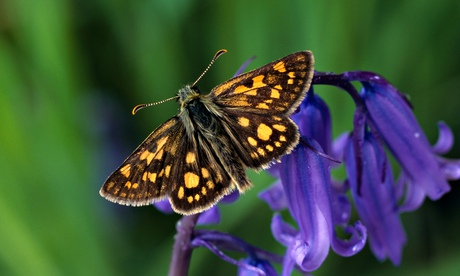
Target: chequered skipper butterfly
point(200, 155)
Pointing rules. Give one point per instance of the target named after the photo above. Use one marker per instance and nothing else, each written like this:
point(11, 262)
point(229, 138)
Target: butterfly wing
point(276, 88)
point(259, 139)
point(145, 176)
point(171, 163)
point(202, 178)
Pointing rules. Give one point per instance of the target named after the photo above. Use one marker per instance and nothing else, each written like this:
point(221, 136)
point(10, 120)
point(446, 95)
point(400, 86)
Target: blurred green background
point(71, 71)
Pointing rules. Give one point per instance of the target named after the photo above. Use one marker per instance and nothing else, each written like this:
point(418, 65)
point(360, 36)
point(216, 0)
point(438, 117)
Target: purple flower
point(392, 117)
point(375, 199)
point(306, 183)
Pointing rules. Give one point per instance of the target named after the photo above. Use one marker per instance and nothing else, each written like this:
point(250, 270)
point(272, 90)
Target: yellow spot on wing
point(278, 127)
point(159, 151)
point(275, 94)
point(197, 197)
point(158, 156)
point(240, 89)
point(204, 172)
point(261, 151)
point(269, 147)
point(243, 121)
point(252, 92)
point(128, 185)
point(167, 170)
point(135, 186)
point(277, 144)
point(282, 138)
point(252, 141)
point(262, 106)
point(280, 67)
point(190, 199)
point(258, 81)
point(210, 184)
point(161, 142)
point(110, 185)
point(191, 180)
point(290, 81)
point(152, 177)
point(203, 190)
point(291, 75)
point(180, 193)
point(190, 158)
point(264, 132)
point(278, 87)
point(147, 155)
point(126, 170)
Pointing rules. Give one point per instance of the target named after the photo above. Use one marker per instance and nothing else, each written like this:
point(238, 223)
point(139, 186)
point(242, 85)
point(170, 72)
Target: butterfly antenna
point(216, 56)
point(140, 106)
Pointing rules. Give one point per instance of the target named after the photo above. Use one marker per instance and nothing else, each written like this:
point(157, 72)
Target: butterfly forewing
point(276, 88)
point(145, 176)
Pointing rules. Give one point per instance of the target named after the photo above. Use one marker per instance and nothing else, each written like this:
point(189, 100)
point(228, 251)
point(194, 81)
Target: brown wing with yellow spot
point(276, 88)
point(146, 175)
point(259, 139)
point(203, 176)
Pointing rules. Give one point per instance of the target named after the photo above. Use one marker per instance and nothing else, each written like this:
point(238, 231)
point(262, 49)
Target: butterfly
point(200, 155)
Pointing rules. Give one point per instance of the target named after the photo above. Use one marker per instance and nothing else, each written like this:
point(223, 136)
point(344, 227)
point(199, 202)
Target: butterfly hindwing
point(260, 139)
point(202, 178)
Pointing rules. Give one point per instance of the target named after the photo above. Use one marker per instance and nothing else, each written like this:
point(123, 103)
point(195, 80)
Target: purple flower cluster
point(383, 124)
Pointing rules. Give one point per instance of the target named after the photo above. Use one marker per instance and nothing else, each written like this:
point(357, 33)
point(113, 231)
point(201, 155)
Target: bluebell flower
point(375, 199)
point(389, 112)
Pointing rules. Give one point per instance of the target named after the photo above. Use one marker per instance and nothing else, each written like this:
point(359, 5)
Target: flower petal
point(314, 121)
point(210, 216)
point(164, 206)
point(282, 232)
point(445, 139)
point(274, 196)
point(306, 181)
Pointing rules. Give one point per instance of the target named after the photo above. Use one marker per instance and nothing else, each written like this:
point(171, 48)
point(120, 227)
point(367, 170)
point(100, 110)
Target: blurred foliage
point(70, 72)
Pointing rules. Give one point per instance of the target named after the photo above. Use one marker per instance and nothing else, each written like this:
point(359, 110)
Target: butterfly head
point(187, 94)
